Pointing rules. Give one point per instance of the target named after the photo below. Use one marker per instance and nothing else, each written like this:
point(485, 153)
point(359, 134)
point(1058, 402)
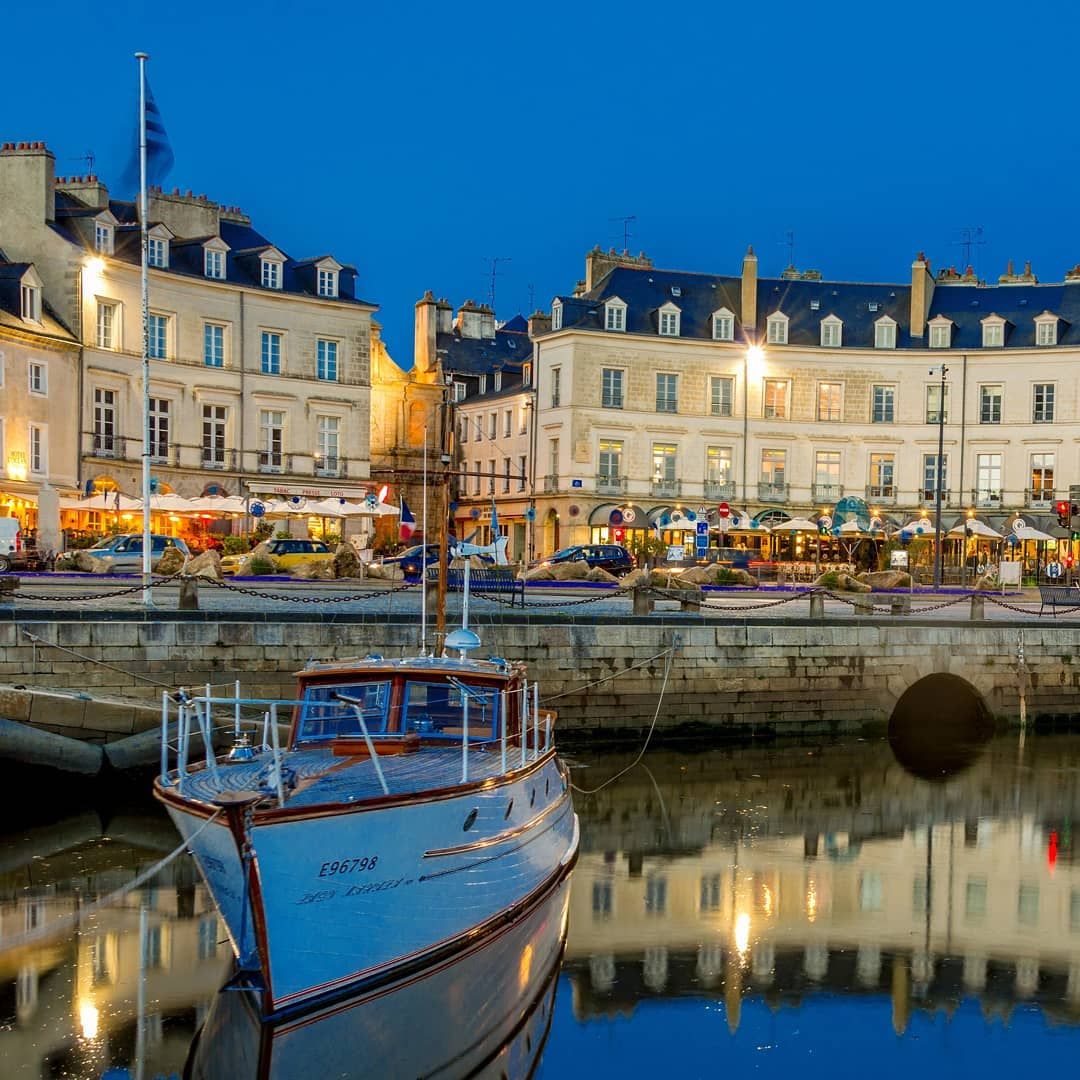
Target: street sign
point(256, 509)
point(724, 510)
point(703, 529)
point(676, 553)
point(1054, 569)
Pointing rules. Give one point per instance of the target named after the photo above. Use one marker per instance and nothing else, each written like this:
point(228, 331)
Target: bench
point(1055, 596)
point(490, 579)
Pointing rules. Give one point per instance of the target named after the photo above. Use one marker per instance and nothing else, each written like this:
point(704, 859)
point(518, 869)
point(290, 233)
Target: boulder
point(665, 579)
point(385, 572)
point(171, 562)
point(885, 580)
point(635, 579)
point(577, 570)
point(260, 551)
point(539, 573)
point(698, 575)
point(987, 583)
point(86, 563)
point(314, 570)
point(346, 562)
point(840, 582)
point(599, 574)
point(206, 565)
point(729, 576)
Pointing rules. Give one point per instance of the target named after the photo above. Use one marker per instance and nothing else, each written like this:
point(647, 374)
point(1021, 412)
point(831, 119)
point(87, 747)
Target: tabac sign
point(289, 490)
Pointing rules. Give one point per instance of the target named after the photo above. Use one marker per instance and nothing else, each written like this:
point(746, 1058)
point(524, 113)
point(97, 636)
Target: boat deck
point(317, 776)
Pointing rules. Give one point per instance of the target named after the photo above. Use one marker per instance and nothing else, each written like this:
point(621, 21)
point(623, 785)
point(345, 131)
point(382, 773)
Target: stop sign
point(724, 509)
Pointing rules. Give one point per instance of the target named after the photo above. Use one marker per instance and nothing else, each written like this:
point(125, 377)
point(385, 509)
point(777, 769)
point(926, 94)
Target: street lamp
point(937, 486)
point(756, 354)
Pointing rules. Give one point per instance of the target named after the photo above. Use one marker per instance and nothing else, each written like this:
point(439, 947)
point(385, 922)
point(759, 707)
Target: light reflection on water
point(794, 907)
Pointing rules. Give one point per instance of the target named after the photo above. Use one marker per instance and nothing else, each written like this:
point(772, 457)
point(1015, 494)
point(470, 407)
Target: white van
point(13, 553)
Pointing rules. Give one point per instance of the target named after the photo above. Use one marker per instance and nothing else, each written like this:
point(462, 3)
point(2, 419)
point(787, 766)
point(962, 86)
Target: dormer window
point(723, 325)
point(832, 331)
point(30, 302)
point(776, 328)
point(327, 282)
point(556, 315)
point(670, 319)
point(270, 275)
point(615, 314)
point(483, 384)
point(1046, 329)
point(103, 238)
point(885, 333)
point(993, 332)
point(214, 262)
point(157, 246)
point(526, 374)
point(940, 332)
point(498, 380)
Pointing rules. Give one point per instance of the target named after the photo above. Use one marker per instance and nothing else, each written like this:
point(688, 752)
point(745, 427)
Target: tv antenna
point(971, 236)
point(789, 243)
point(532, 297)
point(89, 157)
point(493, 273)
point(626, 233)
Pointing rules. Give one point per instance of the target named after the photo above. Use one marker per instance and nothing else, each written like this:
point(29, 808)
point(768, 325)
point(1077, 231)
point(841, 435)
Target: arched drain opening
point(939, 727)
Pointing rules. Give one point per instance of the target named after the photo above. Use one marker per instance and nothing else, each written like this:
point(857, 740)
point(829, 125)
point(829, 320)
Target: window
point(157, 337)
point(108, 325)
point(326, 360)
point(553, 457)
point(670, 318)
point(157, 252)
point(103, 238)
point(826, 475)
point(611, 388)
point(476, 478)
point(498, 380)
point(463, 429)
point(774, 399)
point(208, 937)
point(37, 373)
point(104, 421)
point(829, 401)
point(885, 333)
point(831, 332)
point(1046, 330)
point(271, 353)
point(30, 303)
point(493, 425)
point(929, 472)
point(478, 427)
point(271, 274)
point(491, 476)
point(523, 418)
point(602, 897)
point(556, 315)
point(1042, 477)
point(975, 893)
point(988, 479)
point(774, 471)
point(718, 464)
point(556, 387)
point(882, 476)
point(39, 450)
point(615, 315)
point(723, 325)
point(1042, 411)
point(521, 472)
point(508, 423)
point(940, 335)
point(655, 895)
point(214, 418)
point(213, 345)
point(721, 395)
point(159, 428)
point(328, 282)
point(883, 405)
point(459, 391)
point(271, 439)
point(609, 465)
point(506, 475)
point(667, 393)
point(526, 374)
point(993, 332)
point(871, 891)
point(990, 404)
point(933, 399)
point(1027, 909)
point(776, 332)
point(214, 263)
point(664, 458)
point(482, 387)
point(327, 433)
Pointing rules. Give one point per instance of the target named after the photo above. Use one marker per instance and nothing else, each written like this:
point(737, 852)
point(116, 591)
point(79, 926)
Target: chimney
point(487, 322)
point(424, 356)
point(539, 323)
point(749, 292)
point(599, 263)
point(27, 175)
point(89, 190)
point(445, 316)
point(922, 294)
point(469, 320)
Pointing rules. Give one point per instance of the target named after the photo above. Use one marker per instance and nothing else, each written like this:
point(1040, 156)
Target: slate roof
point(506, 391)
point(11, 274)
point(806, 303)
point(507, 351)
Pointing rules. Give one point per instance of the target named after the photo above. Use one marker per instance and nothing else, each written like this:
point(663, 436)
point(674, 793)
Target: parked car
point(610, 557)
point(124, 553)
point(284, 552)
point(410, 559)
point(14, 554)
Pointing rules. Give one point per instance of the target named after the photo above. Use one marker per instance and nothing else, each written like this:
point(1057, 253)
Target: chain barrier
point(95, 596)
point(349, 597)
point(495, 598)
point(1028, 611)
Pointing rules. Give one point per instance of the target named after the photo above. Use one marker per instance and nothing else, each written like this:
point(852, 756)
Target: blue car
point(411, 559)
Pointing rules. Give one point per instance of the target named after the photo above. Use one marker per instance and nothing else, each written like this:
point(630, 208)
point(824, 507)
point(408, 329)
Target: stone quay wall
point(738, 678)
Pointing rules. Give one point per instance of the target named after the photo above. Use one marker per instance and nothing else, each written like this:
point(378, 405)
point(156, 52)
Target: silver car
point(124, 553)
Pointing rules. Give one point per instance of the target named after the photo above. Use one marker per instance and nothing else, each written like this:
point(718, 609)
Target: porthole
point(509, 809)
point(470, 821)
point(532, 797)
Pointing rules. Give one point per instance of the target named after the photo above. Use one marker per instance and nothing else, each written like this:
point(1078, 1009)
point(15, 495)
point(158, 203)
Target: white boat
point(416, 808)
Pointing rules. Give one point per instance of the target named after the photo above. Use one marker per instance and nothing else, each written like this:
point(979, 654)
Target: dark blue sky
point(417, 141)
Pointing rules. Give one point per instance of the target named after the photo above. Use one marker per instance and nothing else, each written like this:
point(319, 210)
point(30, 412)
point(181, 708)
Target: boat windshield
point(323, 716)
point(437, 710)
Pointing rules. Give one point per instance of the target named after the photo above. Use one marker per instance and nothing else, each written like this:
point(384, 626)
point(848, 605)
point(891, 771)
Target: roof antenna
point(493, 273)
point(789, 243)
point(970, 236)
point(532, 298)
point(626, 233)
point(89, 158)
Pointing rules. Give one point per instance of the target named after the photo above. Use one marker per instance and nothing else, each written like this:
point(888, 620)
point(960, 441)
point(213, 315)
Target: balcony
point(928, 497)
point(774, 491)
point(610, 485)
point(109, 446)
point(329, 466)
point(881, 493)
point(828, 493)
point(551, 484)
point(986, 499)
point(666, 489)
point(274, 461)
point(218, 458)
point(1040, 498)
point(719, 489)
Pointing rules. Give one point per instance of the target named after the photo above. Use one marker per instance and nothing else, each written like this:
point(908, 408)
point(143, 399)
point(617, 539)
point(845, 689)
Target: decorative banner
point(676, 517)
point(876, 524)
point(825, 521)
point(615, 517)
point(1054, 570)
point(297, 502)
point(665, 520)
point(690, 515)
point(629, 515)
point(256, 509)
point(1019, 523)
point(474, 513)
point(575, 510)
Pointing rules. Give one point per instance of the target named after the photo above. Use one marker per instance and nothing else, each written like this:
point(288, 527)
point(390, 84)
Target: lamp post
point(937, 486)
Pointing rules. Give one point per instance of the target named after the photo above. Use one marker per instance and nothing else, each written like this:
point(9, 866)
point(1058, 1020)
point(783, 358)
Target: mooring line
point(608, 678)
point(91, 660)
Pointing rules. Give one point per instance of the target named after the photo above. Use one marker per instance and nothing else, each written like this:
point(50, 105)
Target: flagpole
point(147, 592)
point(423, 561)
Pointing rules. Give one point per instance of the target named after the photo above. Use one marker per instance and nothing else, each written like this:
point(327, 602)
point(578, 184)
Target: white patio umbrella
point(1027, 532)
point(109, 502)
point(169, 504)
point(795, 525)
point(217, 504)
point(919, 526)
point(743, 522)
point(978, 528)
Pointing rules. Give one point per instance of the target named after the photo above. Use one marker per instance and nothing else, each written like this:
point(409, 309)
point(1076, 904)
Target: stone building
point(260, 362)
point(39, 363)
point(665, 390)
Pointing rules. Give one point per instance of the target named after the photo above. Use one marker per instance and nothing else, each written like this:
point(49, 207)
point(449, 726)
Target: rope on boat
point(608, 678)
point(675, 645)
point(112, 898)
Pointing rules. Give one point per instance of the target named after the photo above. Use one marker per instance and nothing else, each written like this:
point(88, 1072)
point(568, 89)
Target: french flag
point(408, 522)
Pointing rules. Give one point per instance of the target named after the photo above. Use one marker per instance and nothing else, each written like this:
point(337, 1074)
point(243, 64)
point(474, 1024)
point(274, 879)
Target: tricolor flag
point(159, 153)
point(408, 522)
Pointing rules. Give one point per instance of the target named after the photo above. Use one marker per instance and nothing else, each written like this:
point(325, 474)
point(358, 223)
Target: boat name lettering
point(349, 866)
point(317, 897)
point(213, 863)
point(375, 886)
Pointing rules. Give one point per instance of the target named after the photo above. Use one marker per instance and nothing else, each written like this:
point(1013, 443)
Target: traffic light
point(1064, 514)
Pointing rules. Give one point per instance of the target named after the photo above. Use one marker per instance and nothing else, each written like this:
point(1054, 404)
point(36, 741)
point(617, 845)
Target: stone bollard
point(690, 600)
point(900, 605)
point(643, 601)
point(817, 606)
point(8, 585)
point(864, 603)
point(189, 593)
point(978, 607)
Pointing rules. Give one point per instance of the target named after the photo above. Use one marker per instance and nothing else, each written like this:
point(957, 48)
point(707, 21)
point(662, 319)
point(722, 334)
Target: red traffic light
point(1062, 507)
point(1064, 513)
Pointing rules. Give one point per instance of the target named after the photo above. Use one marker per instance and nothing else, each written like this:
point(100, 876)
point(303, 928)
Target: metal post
point(524, 719)
point(182, 746)
point(164, 734)
point(205, 726)
point(465, 726)
point(536, 720)
point(938, 553)
point(147, 592)
point(505, 718)
point(266, 725)
point(277, 756)
point(236, 715)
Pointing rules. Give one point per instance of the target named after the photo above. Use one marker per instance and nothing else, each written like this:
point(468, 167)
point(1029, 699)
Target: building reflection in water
point(788, 874)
